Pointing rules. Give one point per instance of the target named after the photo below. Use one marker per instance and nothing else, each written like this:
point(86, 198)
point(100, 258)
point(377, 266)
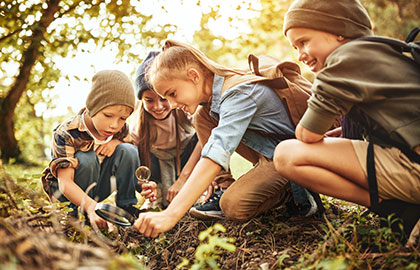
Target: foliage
point(393, 18)
point(77, 26)
point(39, 235)
point(86, 26)
point(206, 254)
point(354, 241)
point(344, 238)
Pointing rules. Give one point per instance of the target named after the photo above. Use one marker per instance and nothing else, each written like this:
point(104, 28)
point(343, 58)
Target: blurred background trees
point(33, 34)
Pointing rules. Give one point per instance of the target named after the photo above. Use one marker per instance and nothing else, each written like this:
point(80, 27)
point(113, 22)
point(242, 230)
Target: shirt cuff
point(61, 163)
point(317, 122)
point(216, 153)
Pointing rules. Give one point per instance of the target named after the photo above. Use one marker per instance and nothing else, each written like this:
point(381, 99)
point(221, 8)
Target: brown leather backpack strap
point(234, 80)
point(253, 64)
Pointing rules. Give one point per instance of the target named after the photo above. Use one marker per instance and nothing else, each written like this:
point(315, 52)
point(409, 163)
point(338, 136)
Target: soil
point(41, 241)
point(35, 235)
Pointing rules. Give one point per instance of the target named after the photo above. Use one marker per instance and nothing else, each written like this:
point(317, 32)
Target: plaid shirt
point(68, 138)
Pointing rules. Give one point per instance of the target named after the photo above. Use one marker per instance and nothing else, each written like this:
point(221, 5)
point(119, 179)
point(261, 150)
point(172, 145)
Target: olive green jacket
point(381, 85)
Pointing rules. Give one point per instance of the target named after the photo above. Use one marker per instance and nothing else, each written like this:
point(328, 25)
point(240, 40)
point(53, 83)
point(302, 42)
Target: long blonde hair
point(176, 57)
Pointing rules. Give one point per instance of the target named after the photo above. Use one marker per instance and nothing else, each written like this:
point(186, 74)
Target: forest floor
point(36, 234)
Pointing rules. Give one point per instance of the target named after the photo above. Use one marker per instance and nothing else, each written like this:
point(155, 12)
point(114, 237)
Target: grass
point(341, 239)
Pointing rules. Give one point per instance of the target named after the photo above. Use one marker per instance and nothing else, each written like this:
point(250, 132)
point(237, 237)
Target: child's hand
point(148, 190)
point(210, 189)
point(174, 189)
point(337, 132)
point(108, 148)
point(100, 222)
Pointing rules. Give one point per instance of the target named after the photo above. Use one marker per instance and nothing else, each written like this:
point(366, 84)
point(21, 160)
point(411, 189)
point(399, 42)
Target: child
point(165, 137)
point(381, 88)
point(88, 149)
point(228, 120)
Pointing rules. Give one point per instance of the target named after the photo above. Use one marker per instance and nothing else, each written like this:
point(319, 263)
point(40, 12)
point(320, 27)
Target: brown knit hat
point(110, 87)
point(347, 18)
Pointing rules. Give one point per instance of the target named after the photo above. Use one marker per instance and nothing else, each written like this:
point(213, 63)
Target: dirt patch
point(41, 241)
point(36, 235)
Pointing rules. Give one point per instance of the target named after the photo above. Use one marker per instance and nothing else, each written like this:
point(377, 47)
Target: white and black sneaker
point(313, 206)
point(210, 209)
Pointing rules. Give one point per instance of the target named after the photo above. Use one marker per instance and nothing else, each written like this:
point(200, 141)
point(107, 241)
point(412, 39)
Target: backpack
point(409, 46)
point(413, 48)
point(293, 90)
point(283, 77)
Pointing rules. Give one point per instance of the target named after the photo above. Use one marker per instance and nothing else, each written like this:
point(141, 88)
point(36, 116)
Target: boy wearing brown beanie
point(381, 88)
point(88, 150)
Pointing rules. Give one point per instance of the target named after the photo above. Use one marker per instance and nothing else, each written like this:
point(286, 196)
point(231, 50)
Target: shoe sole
point(207, 215)
point(314, 206)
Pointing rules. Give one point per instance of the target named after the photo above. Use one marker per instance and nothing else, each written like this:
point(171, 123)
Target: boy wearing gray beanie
point(88, 150)
point(372, 84)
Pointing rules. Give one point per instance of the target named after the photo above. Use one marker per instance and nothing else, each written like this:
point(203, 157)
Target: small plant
point(207, 253)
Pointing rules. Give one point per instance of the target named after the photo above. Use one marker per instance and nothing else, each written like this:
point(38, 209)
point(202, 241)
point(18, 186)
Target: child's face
point(313, 46)
point(109, 121)
point(181, 94)
point(157, 106)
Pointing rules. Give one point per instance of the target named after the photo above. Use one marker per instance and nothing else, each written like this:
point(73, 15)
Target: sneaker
point(210, 209)
point(311, 207)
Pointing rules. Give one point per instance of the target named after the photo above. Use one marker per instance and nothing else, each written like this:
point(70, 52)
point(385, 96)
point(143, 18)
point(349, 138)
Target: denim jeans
point(122, 164)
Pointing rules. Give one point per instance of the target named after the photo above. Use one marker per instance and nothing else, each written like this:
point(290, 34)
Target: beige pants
point(256, 191)
point(397, 176)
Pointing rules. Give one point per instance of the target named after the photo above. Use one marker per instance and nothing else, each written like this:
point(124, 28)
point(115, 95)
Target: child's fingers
point(148, 184)
point(110, 226)
point(146, 192)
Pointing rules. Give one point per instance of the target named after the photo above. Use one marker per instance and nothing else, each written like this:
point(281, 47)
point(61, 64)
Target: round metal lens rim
point(109, 212)
point(143, 173)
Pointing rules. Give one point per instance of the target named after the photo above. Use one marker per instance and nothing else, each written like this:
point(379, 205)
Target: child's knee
point(87, 160)
point(232, 210)
point(283, 155)
point(128, 151)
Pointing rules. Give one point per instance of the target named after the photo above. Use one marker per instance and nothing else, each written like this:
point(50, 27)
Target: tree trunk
point(8, 143)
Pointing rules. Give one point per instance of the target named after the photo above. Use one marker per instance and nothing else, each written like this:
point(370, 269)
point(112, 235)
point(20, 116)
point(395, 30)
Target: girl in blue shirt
point(226, 120)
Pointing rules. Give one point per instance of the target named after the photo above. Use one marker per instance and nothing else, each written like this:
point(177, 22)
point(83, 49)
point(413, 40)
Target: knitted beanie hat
point(140, 84)
point(110, 87)
point(347, 18)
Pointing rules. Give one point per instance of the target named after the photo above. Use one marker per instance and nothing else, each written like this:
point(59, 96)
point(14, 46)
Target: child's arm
point(154, 223)
point(77, 196)
point(307, 136)
point(185, 173)
point(108, 148)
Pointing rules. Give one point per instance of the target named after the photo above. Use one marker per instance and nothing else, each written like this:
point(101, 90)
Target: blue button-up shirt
point(244, 112)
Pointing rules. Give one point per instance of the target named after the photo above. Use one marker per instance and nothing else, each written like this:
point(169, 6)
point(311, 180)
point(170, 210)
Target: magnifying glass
point(117, 215)
point(114, 214)
point(143, 175)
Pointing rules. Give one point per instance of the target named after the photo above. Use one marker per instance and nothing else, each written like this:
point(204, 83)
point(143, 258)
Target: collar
point(216, 94)
point(77, 122)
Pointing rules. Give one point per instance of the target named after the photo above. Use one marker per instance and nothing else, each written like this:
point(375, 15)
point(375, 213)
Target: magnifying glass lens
point(114, 214)
point(143, 173)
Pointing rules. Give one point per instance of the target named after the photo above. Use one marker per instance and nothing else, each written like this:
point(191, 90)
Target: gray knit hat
point(347, 18)
point(140, 83)
point(110, 87)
